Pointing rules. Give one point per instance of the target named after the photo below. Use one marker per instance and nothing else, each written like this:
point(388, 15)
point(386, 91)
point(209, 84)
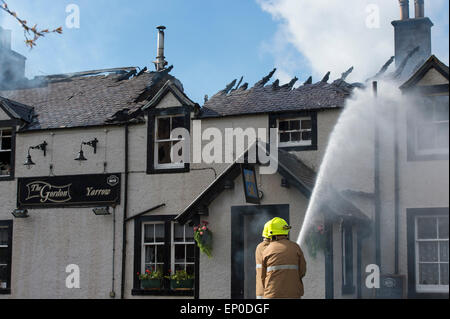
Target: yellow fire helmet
point(265, 233)
point(278, 226)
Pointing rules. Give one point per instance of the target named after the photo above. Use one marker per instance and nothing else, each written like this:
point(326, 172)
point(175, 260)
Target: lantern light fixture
point(43, 147)
point(93, 143)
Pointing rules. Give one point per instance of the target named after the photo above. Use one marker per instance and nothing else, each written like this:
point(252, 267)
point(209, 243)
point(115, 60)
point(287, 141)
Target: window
point(5, 256)
point(432, 130)
point(6, 158)
point(297, 131)
point(428, 129)
point(165, 141)
point(161, 244)
point(431, 246)
point(162, 143)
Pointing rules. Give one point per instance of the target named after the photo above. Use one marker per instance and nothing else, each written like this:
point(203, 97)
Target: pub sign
point(250, 185)
point(64, 191)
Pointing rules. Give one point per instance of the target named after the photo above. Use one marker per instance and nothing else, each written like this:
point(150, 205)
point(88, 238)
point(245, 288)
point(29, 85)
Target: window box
point(151, 284)
point(182, 284)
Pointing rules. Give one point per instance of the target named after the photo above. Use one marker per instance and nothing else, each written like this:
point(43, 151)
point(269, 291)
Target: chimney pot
point(419, 9)
point(404, 9)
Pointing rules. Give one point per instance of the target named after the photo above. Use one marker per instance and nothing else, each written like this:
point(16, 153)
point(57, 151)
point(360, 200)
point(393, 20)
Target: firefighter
point(283, 265)
point(258, 258)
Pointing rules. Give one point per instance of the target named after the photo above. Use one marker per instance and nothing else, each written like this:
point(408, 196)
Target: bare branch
point(32, 34)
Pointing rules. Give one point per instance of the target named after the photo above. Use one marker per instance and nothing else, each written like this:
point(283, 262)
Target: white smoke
point(333, 35)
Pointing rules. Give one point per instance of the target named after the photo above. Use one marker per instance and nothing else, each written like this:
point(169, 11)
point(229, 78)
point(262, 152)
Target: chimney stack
point(404, 9)
point(412, 33)
point(419, 9)
point(160, 63)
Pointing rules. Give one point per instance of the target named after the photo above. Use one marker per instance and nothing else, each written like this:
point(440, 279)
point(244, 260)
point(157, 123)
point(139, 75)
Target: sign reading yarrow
point(62, 191)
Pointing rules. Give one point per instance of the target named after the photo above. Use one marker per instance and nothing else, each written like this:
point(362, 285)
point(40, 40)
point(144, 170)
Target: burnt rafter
point(276, 85)
point(326, 77)
point(142, 71)
point(228, 88)
point(346, 73)
point(383, 69)
point(238, 85)
point(308, 81)
point(127, 75)
point(243, 87)
point(290, 85)
point(265, 79)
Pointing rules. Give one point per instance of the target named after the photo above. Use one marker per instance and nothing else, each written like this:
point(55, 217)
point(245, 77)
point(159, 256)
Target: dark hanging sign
point(250, 185)
point(64, 191)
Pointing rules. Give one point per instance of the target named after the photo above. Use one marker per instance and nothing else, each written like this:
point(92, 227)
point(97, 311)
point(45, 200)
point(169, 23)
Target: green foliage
point(149, 274)
point(180, 275)
point(204, 238)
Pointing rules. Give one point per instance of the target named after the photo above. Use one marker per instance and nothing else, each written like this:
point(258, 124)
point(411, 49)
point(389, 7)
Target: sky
point(211, 43)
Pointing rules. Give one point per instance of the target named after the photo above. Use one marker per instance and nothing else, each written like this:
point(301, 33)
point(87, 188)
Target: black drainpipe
point(396, 190)
point(124, 224)
point(377, 182)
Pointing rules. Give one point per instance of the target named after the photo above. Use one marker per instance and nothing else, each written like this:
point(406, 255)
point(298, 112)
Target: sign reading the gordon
point(76, 190)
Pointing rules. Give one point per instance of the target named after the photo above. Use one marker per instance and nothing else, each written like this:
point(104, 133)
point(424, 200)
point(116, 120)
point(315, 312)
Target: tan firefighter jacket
point(283, 267)
point(258, 258)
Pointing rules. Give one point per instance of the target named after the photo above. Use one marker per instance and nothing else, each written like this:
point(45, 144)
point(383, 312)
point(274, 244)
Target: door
point(247, 223)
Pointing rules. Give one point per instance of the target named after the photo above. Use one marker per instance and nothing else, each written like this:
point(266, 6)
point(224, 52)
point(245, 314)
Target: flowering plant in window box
point(181, 280)
point(315, 239)
point(151, 279)
point(204, 239)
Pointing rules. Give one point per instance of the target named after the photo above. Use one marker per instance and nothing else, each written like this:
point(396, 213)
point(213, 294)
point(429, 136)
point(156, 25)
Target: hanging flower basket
point(315, 240)
point(204, 239)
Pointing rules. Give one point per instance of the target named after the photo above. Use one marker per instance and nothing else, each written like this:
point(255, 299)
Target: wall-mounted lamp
point(43, 147)
point(101, 211)
point(92, 143)
point(20, 213)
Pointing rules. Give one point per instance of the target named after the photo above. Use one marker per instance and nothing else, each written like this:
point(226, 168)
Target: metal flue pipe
point(160, 62)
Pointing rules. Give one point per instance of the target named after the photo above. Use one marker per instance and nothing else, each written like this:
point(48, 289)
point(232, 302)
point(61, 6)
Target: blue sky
point(209, 42)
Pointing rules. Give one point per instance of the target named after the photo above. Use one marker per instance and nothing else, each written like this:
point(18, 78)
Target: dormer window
point(297, 131)
point(165, 141)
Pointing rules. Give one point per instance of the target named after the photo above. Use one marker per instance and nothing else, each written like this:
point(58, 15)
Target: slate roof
point(87, 98)
point(273, 98)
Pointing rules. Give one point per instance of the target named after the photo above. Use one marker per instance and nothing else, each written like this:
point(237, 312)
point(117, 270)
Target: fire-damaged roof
point(88, 98)
point(263, 98)
point(297, 173)
point(17, 110)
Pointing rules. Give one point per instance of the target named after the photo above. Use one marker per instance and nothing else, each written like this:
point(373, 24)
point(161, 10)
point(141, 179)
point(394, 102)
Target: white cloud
point(332, 35)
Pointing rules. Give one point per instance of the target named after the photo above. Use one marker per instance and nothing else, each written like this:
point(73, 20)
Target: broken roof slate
point(269, 99)
point(83, 100)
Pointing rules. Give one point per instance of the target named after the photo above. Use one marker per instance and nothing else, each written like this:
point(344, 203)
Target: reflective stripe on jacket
point(283, 268)
point(258, 258)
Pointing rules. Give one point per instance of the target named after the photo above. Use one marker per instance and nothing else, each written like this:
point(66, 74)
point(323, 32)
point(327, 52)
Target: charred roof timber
point(265, 79)
point(326, 77)
point(308, 81)
point(346, 74)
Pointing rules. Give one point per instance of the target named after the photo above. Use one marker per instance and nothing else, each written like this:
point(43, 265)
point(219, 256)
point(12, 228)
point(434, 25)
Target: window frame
point(10, 125)
point(414, 154)
point(275, 118)
point(170, 139)
point(412, 215)
point(152, 164)
point(168, 221)
point(8, 224)
point(428, 288)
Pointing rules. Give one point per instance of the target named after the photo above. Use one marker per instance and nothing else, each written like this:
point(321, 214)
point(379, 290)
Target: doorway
point(247, 223)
